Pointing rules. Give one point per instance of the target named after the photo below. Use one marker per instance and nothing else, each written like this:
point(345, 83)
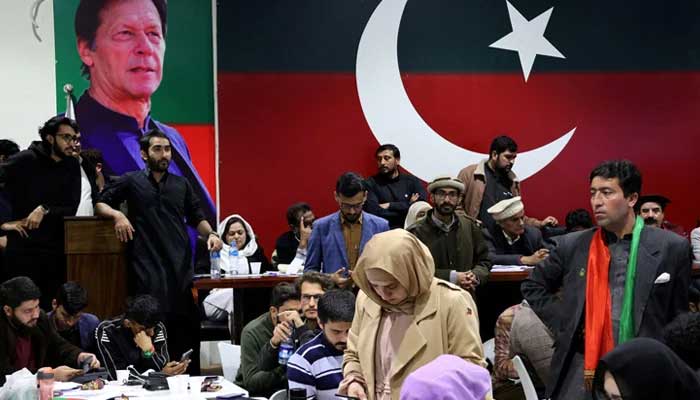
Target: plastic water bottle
point(215, 261)
point(286, 350)
point(233, 260)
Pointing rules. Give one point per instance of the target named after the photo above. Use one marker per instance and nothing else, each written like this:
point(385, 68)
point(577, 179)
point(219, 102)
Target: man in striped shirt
point(317, 365)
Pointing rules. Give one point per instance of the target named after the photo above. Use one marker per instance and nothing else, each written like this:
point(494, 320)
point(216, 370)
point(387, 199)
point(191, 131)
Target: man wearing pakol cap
point(510, 241)
point(455, 241)
point(652, 209)
point(604, 286)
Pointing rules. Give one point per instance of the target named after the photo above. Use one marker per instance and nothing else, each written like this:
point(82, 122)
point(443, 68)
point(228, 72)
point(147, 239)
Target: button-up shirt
point(352, 233)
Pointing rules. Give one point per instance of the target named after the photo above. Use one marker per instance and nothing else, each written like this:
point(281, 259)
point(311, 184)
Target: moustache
point(650, 221)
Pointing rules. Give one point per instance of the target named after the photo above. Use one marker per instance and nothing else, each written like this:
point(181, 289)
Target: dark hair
point(93, 156)
point(16, 291)
point(87, 21)
point(8, 148)
point(72, 297)
point(295, 211)
point(501, 144)
point(144, 310)
point(337, 305)
point(694, 291)
point(629, 176)
point(682, 335)
point(145, 140)
point(282, 293)
point(314, 277)
point(349, 184)
point(51, 126)
point(394, 150)
point(578, 218)
point(230, 222)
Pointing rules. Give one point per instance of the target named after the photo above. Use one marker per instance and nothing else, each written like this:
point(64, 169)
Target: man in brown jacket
point(455, 241)
point(27, 340)
point(492, 180)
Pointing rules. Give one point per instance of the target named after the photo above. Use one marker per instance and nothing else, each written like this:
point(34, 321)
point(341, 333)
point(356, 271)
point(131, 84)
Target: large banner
point(175, 70)
point(308, 89)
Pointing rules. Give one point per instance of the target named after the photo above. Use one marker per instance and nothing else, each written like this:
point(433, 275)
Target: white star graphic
point(527, 38)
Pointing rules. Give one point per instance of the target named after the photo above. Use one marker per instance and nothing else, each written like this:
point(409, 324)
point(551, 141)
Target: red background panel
point(201, 143)
point(286, 137)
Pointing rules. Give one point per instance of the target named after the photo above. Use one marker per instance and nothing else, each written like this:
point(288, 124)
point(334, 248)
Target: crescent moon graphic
point(393, 119)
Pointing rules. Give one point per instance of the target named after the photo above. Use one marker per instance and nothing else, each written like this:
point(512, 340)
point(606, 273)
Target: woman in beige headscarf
point(416, 212)
point(404, 318)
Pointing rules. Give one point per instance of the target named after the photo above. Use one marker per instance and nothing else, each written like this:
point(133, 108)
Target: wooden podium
point(96, 260)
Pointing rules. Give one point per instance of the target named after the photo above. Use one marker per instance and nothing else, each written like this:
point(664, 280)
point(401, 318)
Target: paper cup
point(178, 383)
point(255, 268)
point(122, 376)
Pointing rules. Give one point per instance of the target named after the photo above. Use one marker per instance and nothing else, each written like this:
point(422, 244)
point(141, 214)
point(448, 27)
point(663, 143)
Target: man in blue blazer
point(338, 239)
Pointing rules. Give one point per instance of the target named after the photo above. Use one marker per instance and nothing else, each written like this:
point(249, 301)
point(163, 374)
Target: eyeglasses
point(441, 195)
point(308, 297)
point(68, 138)
point(348, 207)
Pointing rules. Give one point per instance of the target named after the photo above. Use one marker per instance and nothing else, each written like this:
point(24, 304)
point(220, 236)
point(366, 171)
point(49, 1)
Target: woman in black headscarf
point(642, 369)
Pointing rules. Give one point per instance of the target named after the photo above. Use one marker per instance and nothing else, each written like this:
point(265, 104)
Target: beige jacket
point(446, 322)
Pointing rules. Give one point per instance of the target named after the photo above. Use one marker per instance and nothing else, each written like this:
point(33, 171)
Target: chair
point(279, 395)
point(525, 380)
point(489, 350)
point(230, 359)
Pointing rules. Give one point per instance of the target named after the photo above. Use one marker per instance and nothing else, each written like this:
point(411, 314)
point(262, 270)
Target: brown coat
point(446, 322)
point(474, 179)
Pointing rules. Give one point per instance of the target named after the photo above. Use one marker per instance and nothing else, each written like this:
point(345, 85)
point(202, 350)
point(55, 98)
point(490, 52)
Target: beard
point(340, 346)
point(158, 165)
point(58, 151)
point(650, 221)
point(22, 329)
point(446, 209)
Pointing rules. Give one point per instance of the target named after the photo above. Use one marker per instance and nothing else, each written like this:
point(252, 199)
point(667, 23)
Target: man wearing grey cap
point(455, 241)
point(510, 241)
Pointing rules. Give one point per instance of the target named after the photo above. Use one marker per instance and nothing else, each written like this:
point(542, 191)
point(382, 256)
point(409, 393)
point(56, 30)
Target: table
point(113, 389)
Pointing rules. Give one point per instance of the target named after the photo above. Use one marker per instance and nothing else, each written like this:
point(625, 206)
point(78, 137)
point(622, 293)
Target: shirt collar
point(344, 221)
point(508, 239)
point(445, 227)
point(92, 112)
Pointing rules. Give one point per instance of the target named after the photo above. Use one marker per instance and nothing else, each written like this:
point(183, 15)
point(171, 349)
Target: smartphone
point(186, 356)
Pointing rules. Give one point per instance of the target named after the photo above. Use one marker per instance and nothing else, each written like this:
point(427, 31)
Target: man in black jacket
point(390, 193)
point(27, 339)
point(42, 185)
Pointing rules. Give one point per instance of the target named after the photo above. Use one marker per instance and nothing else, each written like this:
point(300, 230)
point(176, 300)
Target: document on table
point(510, 268)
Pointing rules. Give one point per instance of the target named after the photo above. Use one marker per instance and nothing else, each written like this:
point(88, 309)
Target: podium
point(96, 260)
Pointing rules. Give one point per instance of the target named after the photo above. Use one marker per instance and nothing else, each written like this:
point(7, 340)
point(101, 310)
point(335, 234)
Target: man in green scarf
point(603, 286)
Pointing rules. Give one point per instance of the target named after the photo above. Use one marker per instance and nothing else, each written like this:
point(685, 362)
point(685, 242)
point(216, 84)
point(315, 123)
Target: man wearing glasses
point(338, 239)
point(454, 240)
point(43, 185)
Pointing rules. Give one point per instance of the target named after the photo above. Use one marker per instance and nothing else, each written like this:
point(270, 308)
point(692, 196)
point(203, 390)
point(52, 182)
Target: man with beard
point(317, 365)
point(652, 208)
point(492, 180)
point(27, 340)
point(311, 286)
point(68, 318)
point(159, 253)
point(455, 241)
point(390, 193)
point(338, 239)
point(42, 185)
point(601, 287)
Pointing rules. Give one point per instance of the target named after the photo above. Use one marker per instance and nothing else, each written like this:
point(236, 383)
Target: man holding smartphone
point(137, 338)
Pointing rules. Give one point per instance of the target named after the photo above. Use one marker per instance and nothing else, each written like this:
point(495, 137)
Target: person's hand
point(340, 280)
point(304, 234)
point(414, 198)
point(143, 341)
point(64, 373)
point(353, 385)
point(550, 221)
point(35, 217)
point(385, 206)
point(94, 363)
point(214, 243)
point(122, 226)
point(356, 390)
point(18, 226)
point(175, 367)
point(293, 316)
point(467, 280)
point(281, 333)
point(535, 258)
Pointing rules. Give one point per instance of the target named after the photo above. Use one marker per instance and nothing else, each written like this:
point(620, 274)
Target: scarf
point(598, 324)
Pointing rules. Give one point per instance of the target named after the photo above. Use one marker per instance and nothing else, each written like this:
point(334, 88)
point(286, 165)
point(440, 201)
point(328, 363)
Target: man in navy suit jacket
point(338, 239)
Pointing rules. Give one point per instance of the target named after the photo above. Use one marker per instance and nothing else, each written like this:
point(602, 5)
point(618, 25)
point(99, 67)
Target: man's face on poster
point(126, 58)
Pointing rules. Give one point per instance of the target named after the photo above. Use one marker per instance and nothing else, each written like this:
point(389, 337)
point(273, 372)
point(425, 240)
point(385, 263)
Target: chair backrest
point(279, 395)
point(525, 380)
point(230, 359)
point(489, 350)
